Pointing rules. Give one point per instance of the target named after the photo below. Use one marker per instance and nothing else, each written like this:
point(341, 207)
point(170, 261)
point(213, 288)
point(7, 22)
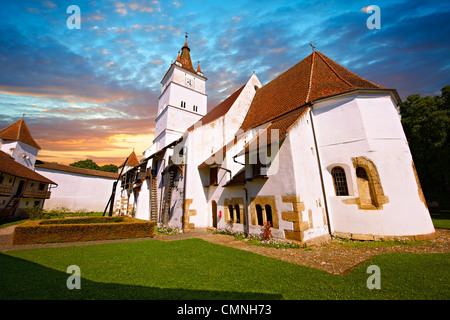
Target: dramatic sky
point(92, 92)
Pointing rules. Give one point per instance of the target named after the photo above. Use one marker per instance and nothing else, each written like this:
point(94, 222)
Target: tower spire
point(185, 57)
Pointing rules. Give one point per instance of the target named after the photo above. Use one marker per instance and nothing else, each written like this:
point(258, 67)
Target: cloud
point(112, 67)
point(120, 8)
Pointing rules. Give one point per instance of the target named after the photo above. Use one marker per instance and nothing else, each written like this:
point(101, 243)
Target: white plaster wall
point(307, 176)
point(178, 75)
point(21, 149)
point(142, 210)
point(382, 140)
point(203, 142)
point(175, 93)
point(76, 191)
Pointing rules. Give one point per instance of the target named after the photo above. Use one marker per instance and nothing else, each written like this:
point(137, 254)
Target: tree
point(109, 168)
point(426, 124)
point(86, 164)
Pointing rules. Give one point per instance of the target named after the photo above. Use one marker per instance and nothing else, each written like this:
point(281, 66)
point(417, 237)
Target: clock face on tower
point(189, 83)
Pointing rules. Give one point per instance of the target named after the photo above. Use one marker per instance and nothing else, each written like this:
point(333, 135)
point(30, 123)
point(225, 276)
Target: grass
point(441, 218)
point(196, 269)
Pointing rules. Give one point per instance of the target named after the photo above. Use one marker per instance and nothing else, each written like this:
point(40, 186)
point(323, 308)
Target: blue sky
point(92, 92)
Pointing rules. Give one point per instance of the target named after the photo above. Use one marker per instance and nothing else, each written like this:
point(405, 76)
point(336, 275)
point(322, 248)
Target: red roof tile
point(314, 77)
point(10, 166)
point(185, 58)
point(18, 131)
point(283, 125)
point(132, 161)
point(64, 168)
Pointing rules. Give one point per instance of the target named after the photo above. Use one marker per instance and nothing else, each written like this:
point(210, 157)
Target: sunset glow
point(93, 92)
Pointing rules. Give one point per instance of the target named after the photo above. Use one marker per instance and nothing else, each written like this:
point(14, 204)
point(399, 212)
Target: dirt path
point(332, 257)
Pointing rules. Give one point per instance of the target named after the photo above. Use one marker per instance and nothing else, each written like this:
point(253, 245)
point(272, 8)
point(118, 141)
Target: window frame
point(340, 182)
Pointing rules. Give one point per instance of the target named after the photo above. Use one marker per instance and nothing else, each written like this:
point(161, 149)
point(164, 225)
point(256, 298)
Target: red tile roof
point(219, 110)
point(316, 76)
point(10, 166)
point(132, 161)
point(18, 131)
point(185, 58)
point(283, 125)
point(64, 168)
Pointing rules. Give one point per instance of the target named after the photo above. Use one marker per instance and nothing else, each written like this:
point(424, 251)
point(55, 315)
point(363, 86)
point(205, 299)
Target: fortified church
point(317, 152)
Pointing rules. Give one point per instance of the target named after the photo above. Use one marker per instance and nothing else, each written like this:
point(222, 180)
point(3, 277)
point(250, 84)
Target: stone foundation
point(371, 237)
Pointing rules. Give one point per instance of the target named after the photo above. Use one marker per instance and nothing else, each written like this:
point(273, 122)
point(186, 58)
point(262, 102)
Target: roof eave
point(393, 92)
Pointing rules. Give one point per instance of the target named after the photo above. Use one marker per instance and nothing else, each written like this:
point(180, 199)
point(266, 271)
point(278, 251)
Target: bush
point(71, 230)
point(167, 230)
point(36, 213)
point(84, 220)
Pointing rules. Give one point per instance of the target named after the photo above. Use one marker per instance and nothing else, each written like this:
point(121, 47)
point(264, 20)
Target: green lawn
point(441, 219)
point(196, 269)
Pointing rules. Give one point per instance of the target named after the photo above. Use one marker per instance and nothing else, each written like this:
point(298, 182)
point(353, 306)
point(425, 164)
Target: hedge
point(81, 229)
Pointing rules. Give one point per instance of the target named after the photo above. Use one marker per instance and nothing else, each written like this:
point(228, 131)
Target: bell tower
point(182, 101)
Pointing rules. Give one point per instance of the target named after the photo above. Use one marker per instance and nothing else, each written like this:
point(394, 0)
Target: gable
point(18, 131)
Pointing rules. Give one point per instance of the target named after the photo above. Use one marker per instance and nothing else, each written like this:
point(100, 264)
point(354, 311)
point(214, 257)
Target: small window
point(259, 215)
point(268, 214)
point(183, 104)
point(340, 181)
point(238, 214)
point(213, 176)
point(230, 209)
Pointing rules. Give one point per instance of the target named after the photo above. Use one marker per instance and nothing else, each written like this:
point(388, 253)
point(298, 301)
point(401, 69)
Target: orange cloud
point(113, 149)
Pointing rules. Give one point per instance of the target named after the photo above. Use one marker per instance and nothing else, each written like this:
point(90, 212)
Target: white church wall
point(380, 139)
point(178, 93)
point(306, 177)
point(21, 152)
point(77, 191)
point(235, 115)
point(207, 140)
point(142, 202)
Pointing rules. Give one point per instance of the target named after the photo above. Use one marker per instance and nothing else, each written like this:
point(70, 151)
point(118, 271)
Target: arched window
point(269, 214)
point(259, 215)
point(365, 188)
point(230, 209)
point(238, 214)
point(340, 181)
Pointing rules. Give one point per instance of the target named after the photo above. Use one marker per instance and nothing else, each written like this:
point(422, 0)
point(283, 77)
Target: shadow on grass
point(24, 280)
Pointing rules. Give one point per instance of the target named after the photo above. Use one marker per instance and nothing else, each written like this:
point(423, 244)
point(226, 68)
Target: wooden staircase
point(11, 206)
point(167, 197)
point(153, 198)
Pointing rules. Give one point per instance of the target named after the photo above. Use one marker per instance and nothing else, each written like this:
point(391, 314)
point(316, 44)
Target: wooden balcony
point(40, 194)
point(5, 190)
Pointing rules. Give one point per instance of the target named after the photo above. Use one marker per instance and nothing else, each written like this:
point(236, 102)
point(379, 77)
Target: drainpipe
point(320, 172)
